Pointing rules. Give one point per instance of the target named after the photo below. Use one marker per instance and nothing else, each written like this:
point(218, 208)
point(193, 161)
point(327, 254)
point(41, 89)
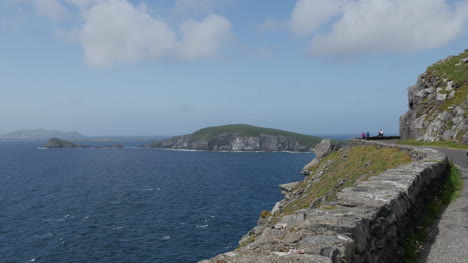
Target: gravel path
point(448, 240)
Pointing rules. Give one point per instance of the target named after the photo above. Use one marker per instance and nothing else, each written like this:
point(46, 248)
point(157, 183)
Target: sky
point(170, 67)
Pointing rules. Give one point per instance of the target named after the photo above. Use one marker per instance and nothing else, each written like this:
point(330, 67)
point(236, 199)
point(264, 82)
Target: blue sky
point(169, 67)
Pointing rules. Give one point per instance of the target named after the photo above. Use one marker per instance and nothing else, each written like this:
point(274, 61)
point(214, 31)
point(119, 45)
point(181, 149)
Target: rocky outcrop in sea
point(56, 143)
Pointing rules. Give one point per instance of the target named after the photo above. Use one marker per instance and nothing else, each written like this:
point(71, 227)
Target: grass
point(64, 144)
point(450, 192)
point(443, 144)
point(249, 130)
point(458, 74)
point(340, 170)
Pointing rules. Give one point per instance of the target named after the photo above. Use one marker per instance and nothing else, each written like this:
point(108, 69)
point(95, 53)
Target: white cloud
point(52, 9)
point(82, 3)
point(203, 39)
point(194, 6)
point(116, 32)
point(340, 27)
point(199, 7)
point(310, 15)
point(272, 25)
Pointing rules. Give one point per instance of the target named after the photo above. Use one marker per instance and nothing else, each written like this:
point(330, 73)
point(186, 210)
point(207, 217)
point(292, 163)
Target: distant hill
point(40, 134)
point(240, 137)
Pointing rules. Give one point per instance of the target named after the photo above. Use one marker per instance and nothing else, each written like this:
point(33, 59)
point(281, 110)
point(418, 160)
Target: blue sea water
point(133, 204)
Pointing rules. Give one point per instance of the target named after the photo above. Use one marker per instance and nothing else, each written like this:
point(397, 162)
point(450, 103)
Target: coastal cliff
point(240, 138)
point(438, 103)
point(359, 204)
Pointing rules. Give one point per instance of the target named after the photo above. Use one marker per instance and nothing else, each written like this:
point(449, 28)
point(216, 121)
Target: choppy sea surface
point(133, 204)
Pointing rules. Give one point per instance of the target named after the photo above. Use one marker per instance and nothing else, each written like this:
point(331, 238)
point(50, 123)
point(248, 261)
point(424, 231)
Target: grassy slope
point(458, 74)
point(353, 165)
point(358, 163)
point(249, 130)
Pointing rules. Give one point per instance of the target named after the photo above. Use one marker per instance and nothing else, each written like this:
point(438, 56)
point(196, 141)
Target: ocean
point(133, 204)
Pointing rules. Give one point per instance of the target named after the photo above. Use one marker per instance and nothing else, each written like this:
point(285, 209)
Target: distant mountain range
point(40, 134)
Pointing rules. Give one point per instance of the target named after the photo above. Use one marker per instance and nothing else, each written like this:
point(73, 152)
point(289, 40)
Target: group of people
point(366, 135)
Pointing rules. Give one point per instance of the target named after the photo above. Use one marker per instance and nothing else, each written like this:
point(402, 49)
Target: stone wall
point(368, 222)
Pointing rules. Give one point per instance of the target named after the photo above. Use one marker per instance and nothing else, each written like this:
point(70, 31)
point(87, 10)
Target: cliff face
point(438, 103)
point(232, 141)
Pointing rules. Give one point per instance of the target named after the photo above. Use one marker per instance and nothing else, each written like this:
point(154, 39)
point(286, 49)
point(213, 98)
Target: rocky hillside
point(438, 103)
point(240, 137)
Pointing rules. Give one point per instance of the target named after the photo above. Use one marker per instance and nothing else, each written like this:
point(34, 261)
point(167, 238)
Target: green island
point(240, 137)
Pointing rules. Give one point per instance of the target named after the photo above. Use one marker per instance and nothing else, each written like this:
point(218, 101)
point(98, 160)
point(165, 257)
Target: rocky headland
point(438, 103)
point(240, 138)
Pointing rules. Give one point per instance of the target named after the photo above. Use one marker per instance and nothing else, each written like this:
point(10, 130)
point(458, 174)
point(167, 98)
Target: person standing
point(367, 135)
point(363, 135)
point(381, 133)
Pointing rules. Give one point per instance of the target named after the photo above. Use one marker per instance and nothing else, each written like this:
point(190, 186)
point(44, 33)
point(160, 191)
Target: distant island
point(40, 134)
point(240, 137)
point(56, 143)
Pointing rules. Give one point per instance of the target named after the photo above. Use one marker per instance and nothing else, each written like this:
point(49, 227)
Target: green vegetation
point(58, 143)
point(249, 130)
point(342, 169)
point(444, 144)
point(450, 192)
point(452, 69)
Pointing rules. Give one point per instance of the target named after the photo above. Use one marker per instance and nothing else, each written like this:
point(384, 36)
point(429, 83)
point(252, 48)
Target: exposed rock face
point(322, 149)
point(234, 142)
point(368, 222)
point(438, 105)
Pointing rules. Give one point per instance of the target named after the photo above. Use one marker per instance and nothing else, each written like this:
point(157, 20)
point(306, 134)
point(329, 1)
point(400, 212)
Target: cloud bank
point(358, 27)
point(117, 32)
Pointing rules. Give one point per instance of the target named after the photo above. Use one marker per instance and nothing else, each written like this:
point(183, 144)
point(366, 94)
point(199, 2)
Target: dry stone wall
point(369, 222)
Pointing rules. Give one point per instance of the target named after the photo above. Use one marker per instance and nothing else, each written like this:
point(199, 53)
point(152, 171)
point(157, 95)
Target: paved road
point(448, 240)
